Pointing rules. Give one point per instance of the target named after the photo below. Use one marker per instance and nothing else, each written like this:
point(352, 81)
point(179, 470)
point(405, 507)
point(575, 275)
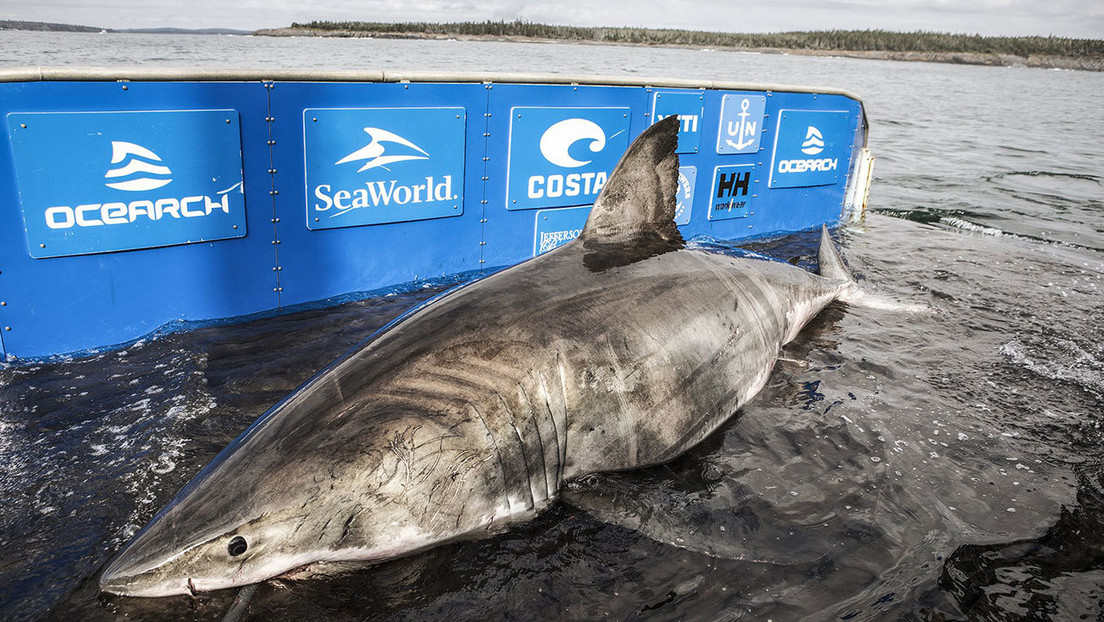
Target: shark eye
point(237, 546)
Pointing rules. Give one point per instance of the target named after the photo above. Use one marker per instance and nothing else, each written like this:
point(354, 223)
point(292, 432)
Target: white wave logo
point(375, 153)
point(814, 142)
point(136, 160)
point(558, 139)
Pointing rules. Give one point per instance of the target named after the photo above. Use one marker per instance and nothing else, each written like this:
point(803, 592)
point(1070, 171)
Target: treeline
point(828, 40)
point(11, 24)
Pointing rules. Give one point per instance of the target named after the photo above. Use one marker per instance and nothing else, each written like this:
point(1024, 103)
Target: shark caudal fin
point(634, 216)
point(832, 267)
point(831, 264)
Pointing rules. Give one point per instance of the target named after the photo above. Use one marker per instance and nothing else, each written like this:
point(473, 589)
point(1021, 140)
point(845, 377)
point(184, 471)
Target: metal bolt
point(228, 120)
point(235, 226)
point(277, 219)
point(7, 328)
point(125, 87)
point(23, 125)
point(42, 246)
point(3, 304)
point(315, 119)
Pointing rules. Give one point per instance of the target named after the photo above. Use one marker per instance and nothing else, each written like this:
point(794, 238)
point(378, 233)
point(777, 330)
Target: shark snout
point(126, 580)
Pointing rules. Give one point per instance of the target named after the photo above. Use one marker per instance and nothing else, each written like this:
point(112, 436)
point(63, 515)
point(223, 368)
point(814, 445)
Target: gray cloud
point(1077, 18)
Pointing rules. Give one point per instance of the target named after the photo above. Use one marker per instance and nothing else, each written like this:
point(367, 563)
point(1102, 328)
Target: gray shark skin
point(619, 350)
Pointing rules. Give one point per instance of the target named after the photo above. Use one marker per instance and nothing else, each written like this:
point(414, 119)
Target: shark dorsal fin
point(634, 216)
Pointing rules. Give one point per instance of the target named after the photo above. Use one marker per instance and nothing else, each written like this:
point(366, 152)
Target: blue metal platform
point(130, 200)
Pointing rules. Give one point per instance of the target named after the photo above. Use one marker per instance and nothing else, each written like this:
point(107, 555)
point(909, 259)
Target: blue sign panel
point(732, 195)
point(366, 166)
point(556, 227)
point(98, 182)
point(811, 148)
point(687, 179)
point(688, 106)
point(563, 156)
point(741, 123)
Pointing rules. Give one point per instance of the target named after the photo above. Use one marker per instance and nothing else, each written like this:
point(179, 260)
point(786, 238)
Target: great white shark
point(619, 350)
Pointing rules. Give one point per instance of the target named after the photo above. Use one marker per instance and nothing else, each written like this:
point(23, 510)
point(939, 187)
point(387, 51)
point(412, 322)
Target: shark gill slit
point(498, 456)
point(546, 394)
point(528, 403)
point(521, 450)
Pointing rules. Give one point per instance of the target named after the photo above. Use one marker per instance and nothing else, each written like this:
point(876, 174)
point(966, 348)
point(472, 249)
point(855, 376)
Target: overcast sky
point(1070, 18)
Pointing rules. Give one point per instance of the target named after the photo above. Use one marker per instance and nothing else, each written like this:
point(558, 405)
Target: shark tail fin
point(832, 267)
point(831, 264)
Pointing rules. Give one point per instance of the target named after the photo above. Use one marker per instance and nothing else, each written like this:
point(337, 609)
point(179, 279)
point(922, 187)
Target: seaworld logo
point(378, 193)
point(374, 153)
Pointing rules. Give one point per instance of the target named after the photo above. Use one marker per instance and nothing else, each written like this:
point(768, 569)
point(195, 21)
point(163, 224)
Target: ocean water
point(939, 466)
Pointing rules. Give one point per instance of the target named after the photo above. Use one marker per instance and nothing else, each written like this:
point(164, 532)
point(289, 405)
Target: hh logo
point(563, 156)
point(412, 167)
point(811, 147)
point(732, 191)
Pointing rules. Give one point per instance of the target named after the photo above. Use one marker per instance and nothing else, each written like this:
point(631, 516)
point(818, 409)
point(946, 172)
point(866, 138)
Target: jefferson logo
point(411, 169)
point(809, 146)
point(131, 199)
point(137, 160)
point(562, 156)
point(556, 227)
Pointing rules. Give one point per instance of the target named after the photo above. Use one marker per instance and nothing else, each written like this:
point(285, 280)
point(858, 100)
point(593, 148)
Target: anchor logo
point(742, 129)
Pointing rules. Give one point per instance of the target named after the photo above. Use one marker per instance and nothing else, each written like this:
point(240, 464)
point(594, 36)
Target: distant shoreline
point(959, 58)
point(932, 47)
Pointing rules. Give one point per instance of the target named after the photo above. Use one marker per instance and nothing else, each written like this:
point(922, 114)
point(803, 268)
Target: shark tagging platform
point(136, 201)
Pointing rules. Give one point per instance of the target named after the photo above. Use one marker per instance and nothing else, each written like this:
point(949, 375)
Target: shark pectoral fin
point(634, 216)
point(833, 267)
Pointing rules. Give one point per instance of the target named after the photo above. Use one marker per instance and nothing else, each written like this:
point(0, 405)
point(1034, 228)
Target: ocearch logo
point(136, 163)
point(136, 160)
point(814, 142)
point(555, 146)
